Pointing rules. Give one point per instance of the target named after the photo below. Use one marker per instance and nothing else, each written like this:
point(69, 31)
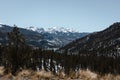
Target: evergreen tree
point(16, 50)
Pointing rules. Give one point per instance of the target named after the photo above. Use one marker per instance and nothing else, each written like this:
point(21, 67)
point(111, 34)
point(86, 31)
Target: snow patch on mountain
point(32, 28)
point(0, 25)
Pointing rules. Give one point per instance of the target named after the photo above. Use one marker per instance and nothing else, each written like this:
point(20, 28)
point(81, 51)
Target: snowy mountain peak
point(32, 28)
point(59, 29)
point(51, 30)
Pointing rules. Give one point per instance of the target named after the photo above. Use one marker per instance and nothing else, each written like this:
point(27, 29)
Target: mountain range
point(106, 42)
point(51, 38)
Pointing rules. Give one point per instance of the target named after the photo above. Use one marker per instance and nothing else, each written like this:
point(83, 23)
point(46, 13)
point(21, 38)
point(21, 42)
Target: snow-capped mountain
point(32, 28)
point(44, 38)
point(56, 37)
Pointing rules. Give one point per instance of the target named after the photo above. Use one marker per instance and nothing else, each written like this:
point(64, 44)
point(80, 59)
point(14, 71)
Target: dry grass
point(109, 77)
point(61, 74)
point(7, 77)
point(87, 75)
point(24, 75)
point(2, 70)
point(44, 75)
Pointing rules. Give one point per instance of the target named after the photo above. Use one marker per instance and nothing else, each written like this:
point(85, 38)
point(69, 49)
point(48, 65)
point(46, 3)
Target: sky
point(80, 15)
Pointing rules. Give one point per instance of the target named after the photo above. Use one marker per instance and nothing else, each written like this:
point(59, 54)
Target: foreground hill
point(106, 42)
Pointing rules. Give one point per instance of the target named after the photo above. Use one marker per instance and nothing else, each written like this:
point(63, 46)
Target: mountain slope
point(29, 35)
point(39, 37)
point(106, 42)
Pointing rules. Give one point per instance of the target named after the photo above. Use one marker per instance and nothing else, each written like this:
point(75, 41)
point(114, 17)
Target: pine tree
point(15, 53)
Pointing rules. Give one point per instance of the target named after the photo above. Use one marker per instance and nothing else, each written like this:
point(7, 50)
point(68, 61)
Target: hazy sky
point(81, 15)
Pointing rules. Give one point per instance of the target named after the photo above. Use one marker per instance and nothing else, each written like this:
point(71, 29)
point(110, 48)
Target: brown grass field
point(43, 75)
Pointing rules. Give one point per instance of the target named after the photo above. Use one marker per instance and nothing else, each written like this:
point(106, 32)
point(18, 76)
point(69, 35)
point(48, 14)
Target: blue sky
point(81, 15)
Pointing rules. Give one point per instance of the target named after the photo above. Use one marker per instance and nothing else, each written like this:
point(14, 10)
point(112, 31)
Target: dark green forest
point(17, 55)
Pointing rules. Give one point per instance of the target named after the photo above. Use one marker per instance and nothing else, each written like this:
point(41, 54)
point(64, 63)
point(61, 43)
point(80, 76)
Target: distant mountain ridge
point(39, 37)
point(106, 42)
